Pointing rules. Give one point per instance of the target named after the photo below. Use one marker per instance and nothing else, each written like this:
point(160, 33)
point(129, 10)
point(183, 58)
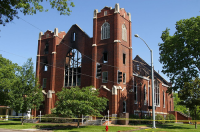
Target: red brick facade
point(53, 47)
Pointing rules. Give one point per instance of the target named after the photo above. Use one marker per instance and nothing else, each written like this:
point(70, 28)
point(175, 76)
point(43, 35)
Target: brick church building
point(73, 59)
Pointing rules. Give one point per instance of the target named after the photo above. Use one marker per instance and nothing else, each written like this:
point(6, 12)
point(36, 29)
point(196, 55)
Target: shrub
point(160, 119)
point(132, 116)
point(147, 118)
point(54, 119)
point(170, 117)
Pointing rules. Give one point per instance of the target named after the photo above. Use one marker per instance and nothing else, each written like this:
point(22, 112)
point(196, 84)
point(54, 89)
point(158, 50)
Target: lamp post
point(152, 81)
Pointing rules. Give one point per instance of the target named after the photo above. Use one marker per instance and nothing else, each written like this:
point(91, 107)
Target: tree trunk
point(78, 122)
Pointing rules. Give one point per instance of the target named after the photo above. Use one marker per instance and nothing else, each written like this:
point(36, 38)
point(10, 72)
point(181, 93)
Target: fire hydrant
point(106, 128)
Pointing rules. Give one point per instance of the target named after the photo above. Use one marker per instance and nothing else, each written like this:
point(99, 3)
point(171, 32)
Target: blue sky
point(19, 39)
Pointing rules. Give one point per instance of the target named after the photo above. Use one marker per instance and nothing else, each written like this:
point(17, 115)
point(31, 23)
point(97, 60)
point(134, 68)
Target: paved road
point(24, 130)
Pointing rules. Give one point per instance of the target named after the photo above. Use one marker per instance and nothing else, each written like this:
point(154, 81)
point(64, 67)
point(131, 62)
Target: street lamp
point(152, 81)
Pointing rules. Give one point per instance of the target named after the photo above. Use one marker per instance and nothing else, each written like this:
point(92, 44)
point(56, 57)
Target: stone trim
point(115, 41)
point(49, 94)
point(43, 91)
point(94, 45)
point(165, 85)
point(40, 35)
point(104, 86)
point(141, 77)
point(123, 88)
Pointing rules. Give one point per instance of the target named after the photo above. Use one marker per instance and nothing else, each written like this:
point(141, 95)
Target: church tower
point(112, 49)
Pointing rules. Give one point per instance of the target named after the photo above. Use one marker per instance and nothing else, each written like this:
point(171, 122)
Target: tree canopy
point(180, 54)
point(19, 89)
point(25, 94)
point(10, 8)
point(76, 101)
point(190, 96)
point(7, 79)
point(177, 106)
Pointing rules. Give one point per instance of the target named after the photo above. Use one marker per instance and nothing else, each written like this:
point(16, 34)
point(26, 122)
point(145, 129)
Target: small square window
point(105, 58)
point(44, 84)
point(104, 77)
point(124, 58)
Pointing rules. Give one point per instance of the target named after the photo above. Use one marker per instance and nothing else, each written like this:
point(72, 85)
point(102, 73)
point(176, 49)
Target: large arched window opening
point(124, 32)
point(73, 68)
point(105, 31)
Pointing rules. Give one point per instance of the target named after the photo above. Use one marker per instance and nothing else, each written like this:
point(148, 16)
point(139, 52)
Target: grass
point(95, 129)
point(61, 128)
point(172, 127)
point(169, 127)
point(17, 125)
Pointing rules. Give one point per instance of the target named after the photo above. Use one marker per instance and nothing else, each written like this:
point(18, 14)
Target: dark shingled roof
point(145, 70)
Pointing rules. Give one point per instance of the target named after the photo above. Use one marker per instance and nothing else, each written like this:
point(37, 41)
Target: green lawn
point(172, 127)
point(17, 125)
point(61, 128)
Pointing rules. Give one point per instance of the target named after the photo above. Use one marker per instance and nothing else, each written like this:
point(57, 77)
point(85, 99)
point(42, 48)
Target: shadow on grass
point(1, 123)
point(175, 126)
point(59, 127)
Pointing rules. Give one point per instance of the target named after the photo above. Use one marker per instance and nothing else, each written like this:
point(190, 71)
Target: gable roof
point(144, 67)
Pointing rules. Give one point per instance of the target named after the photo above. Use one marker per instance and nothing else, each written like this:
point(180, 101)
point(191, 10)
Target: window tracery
point(105, 31)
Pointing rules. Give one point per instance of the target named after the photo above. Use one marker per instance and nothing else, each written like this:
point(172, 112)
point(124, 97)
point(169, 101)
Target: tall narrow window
point(45, 62)
point(124, 106)
point(135, 92)
point(104, 77)
point(105, 13)
point(46, 50)
point(138, 67)
point(124, 78)
point(44, 83)
point(156, 93)
point(163, 99)
point(145, 95)
point(73, 64)
point(46, 67)
point(105, 31)
point(124, 58)
point(74, 36)
point(105, 57)
point(124, 32)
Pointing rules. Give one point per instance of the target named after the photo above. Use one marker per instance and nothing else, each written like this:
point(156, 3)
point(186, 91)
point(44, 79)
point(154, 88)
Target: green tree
point(77, 101)
point(190, 96)
point(9, 8)
point(25, 94)
point(7, 79)
point(177, 107)
point(180, 54)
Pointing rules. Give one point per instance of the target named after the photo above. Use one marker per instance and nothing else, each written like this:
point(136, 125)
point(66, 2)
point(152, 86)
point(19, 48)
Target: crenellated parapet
point(51, 34)
point(107, 11)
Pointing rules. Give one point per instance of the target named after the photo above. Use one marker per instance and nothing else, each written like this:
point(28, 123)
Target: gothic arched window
point(105, 31)
point(124, 32)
